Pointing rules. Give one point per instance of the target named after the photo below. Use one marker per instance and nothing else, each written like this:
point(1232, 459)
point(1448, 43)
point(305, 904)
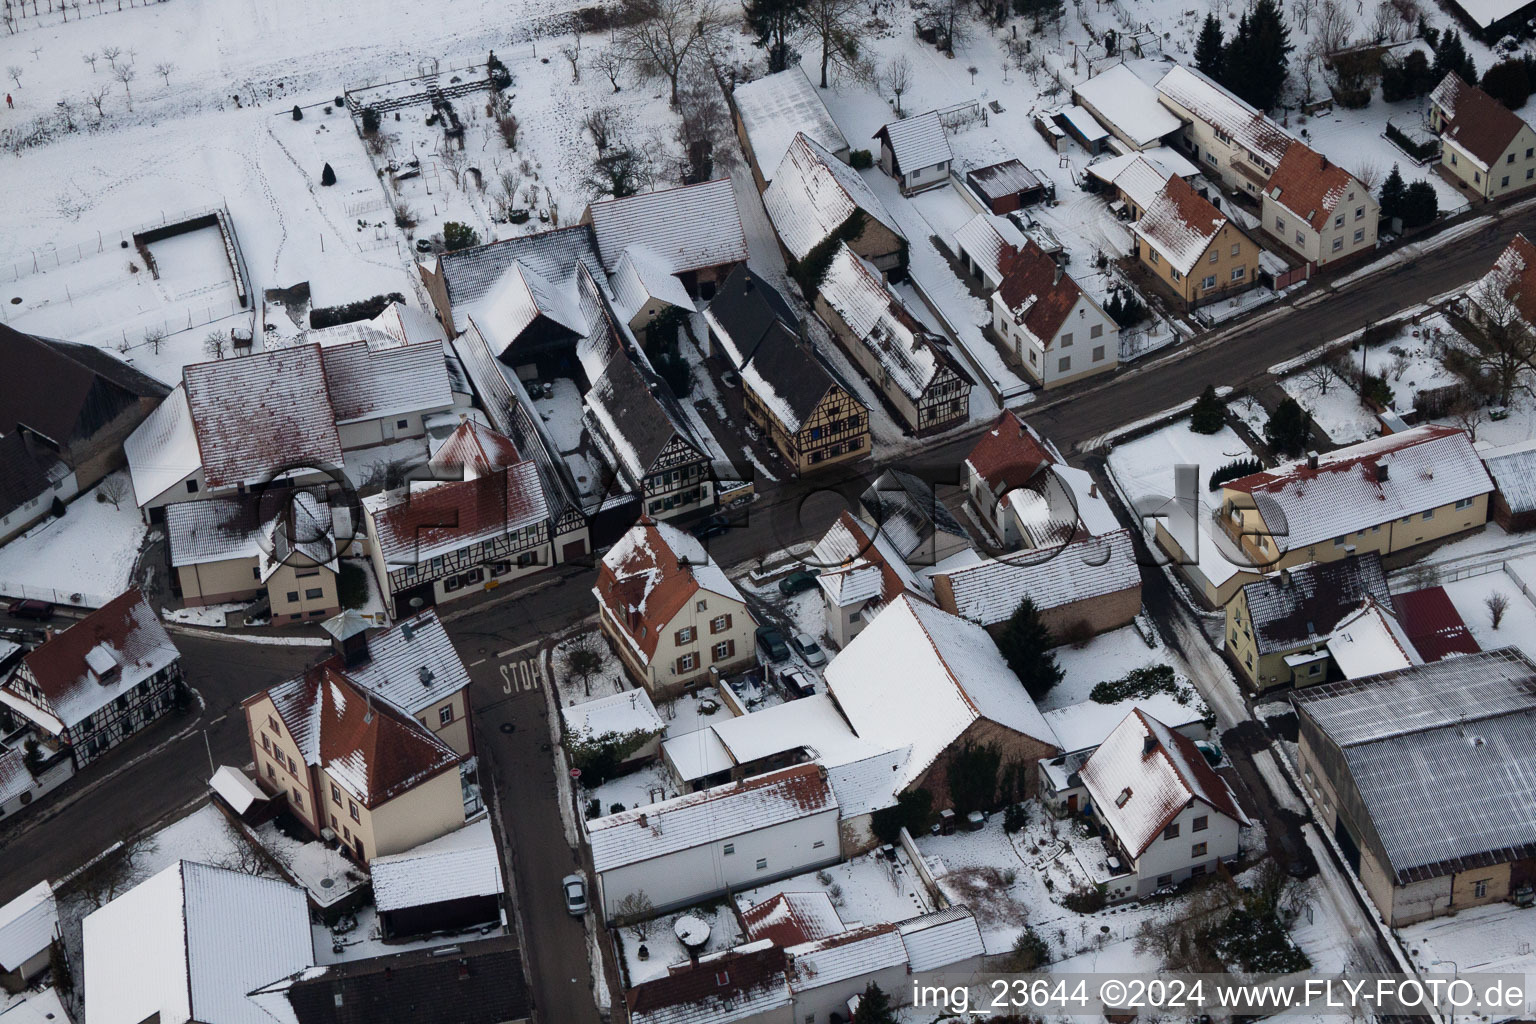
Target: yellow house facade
point(1192, 249)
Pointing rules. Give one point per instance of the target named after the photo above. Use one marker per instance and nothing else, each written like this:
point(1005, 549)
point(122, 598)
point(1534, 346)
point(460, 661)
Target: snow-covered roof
point(911, 354)
point(236, 788)
point(859, 563)
point(917, 142)
point(690, 227)
point(935, 941)
point(189, 943)
point(1367, 484)
point(1440, 756)
point(366, 384)
point(1219, 108)
point(1180, 224)
point(812, 722)
point(162, 451)
point(1144, 774)
point(1370, 641)
point(27, 925)
point(420, 523)
point(1081, 570)
point(1514, 473)
point(775, 107)
point(651, 573)
point(1127, 105)
point(413, 664)
point(613, 715)
point(712, 815)
point(851, 954)
point(747, 983)
point(634, 413)
point(871, 783)
point(124, 637)
point(952, 675)
point(792, 918)
point(641, 276)
point(521, 296)
point(988, 240)
point(813, 193)
point(470, 276)
point(1304, 604)
point(455, 866)
point(41, 1006)
point(697, 755)
point(472, 450)
point(1485, 13)
point(211, 530)
point(409, 325)
point(1140, 179)
point(1085, 725)
point(908, 510)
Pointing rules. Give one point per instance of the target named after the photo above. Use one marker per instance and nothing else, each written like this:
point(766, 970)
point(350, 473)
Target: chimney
point(1148, 744)
point(425, 674)
point(644, 819)
point(1285, 577)
point(1311, 460)
point(1056, 275)
point(1381, 472)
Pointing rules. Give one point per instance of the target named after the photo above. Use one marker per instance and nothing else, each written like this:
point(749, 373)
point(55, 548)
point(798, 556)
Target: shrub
point(1209, 414)
point(352, 585)
point(370, 120)
point(1086, 901)
point(1420, 205)
point(57, 508)
point(363, 309)
point(972, 778)
point(1233, 470)
point(1029, 951)
point(913, 811)
point(594, 808)
point(599, 758)
point(1376, 389)
point(1026, 644)
point(327, 176)
point(1139, 683)
point(1287, 428)
point(1126, 312)
point(457, 236)
point(1015, 817)
point(861, 159)
point(1418, 150)
point(298, 115)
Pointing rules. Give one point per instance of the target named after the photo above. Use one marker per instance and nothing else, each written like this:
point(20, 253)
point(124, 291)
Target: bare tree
point(635, 911)
point(1334, 26)
point(96, 97)
point(610, 65)
point(603, 124)
point(622, 171)
point(1384, 23)
point(13, 72)
point(214, 343)
point(154, 337)
point(668, 36)
point(1304, 11)
point(112, 53)
point(164, 70)
point(507, 126)
point(897, 77)
point(1497, 604)
point(704, 127)
point(1500, 352)
point(572, 55)
point(114, 872)
point(66, 109)
point(91, 59)
point(832, 25)
point(126, 74)
point(1369, 173)
point(505, 197)
point(583, 656)
point(114, 488)
point(1319, 379)
point(952, 18)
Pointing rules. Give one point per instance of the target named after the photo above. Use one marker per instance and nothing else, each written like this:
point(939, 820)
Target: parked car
point(805, 646)
point(713, 526)
point(39, 610)
point(796, 683)
point(770, 644)
point(575, 894)
point(795, 582)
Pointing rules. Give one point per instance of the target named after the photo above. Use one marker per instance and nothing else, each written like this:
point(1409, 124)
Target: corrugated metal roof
point(935, 941)
point(687, 228)
point(27, 925)
point(1514, 474)
point(917, 142)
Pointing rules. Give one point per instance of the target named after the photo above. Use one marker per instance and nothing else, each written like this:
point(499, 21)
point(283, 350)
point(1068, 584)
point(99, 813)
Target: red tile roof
point(733, 979)
point(1011, 453)
point(650, 574)
point(365, 744)
point(1037, 291)
point(476, 449)
point(1477, 122)
point(1309, 184)
point(416, 525)
point(1516, 267)
point(1434, 626)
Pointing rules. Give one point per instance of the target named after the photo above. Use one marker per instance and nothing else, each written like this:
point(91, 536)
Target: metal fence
point(51, 256)
point(31, 592)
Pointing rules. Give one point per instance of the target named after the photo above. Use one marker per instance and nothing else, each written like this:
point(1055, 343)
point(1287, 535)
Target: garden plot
point(1496, 939)
point(85, 558)
point(609, 677)
point(663, 949)
point(1517, 625)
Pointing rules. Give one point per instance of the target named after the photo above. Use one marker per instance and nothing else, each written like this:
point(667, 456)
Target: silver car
point(575, 889)
point(805, 646)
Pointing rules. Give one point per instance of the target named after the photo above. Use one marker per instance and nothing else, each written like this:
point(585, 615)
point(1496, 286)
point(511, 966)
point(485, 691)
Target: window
point(1163, 880)
point(1096, 331)
point(293, 595)
point(687, 663)
point(700, 606)
point(1215, 255)
point(1238, 273)
point(1453, 158)
point(1505, 182)
point(335, 795)
point(1063, 364)
point(729, 849)
point(1197, 871)
point(818, 844)
point(1465, 503)
point(352, 810)
point(445, 714)
point(1172, 831)
point(762, 863)
point(1529, 152)
point(1152, 255)
point(1066, 340)
point(720, 624)
point(1480, 888)
point(1197, 850)
point(272, 724)
point(271, 772)
point(1279, 223)
point(1338, 542)
point(1201, 823)
point(1175, 274)
point(1530, 173)
point(1429, 513)
point(1098, 353)
point(313, 594)
point(1237, 249)
point(1510, 158)
point(1359, 213)
point(1360, 234)
point(1338, 243)
point(1301, 239)
point(191, 486)
point(1209, 281)
point(298, 798)
point(1338, 221)
point(723, 650)
point(684, 636)
point(266, 743)
point(402, 424)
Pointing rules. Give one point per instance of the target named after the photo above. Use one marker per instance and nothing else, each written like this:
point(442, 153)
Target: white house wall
point(1173, 856)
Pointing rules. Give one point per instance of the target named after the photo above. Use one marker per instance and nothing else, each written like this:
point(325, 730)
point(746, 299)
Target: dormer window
point(1125, 795)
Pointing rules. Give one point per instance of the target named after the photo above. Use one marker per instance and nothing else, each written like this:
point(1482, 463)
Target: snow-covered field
point(90, 552)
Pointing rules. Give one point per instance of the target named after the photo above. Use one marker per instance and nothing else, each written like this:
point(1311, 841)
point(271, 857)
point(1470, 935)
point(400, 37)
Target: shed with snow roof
point(772, 109)
point(1127, 106)
point(449, 883)
point(1007, 186)
point(915, 151)
point(28, 925)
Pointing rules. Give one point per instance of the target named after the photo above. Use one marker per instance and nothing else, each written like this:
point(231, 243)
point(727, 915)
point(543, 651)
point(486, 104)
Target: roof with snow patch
point(163, 450)
point(1311, 186)
point(1127, 105)
point(989, 591)
point(916, 142)
point(415, 524)
point(691, 227)
point(1303, 605)
point(792, 918)
point(813, 193)
point(1221, 109)
point(1180, 224)
point(461, 864)
point(775, 107)
point(27, 926)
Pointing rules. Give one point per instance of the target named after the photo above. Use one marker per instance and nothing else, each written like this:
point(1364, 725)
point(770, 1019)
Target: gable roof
point(1010, 454)
point(459, 865)
point(415, 524)
point(989, 240)
point(739, 984)
point(850, 954)
point(412, 664)
point(1369, 640)
point(614, 714)
point(650, 574)
point(163, 450)
point(774, 108)
point(50, 385)
point(1038, 292)
point(1220, 108)
point(813, 193)
point(791, 918)
point(1476, 122)
point(257, 414)
point(908, 510)
point(365, 383)
point(1128, 105)
point(859, 564)
point(24, 472)
point(916, 142)
point(744, 310)
point(1181, 224)
point(27, 925)
point(690, 227)
point(1369, 483)
point(920, 676)
point(942, 938)
point(474, 449)
point(1310, 185)
point(636, 415)
point(1440, 756)
point(989, 591)
point(707, 816)
point(642, 276)
point(1301, 605)
point(1144, 774)
point(189, 943)
point(1433, 625)
point(99, 658)
point(370, 748)
point(1512, 275)
point(469, 275)
point(522, 296)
